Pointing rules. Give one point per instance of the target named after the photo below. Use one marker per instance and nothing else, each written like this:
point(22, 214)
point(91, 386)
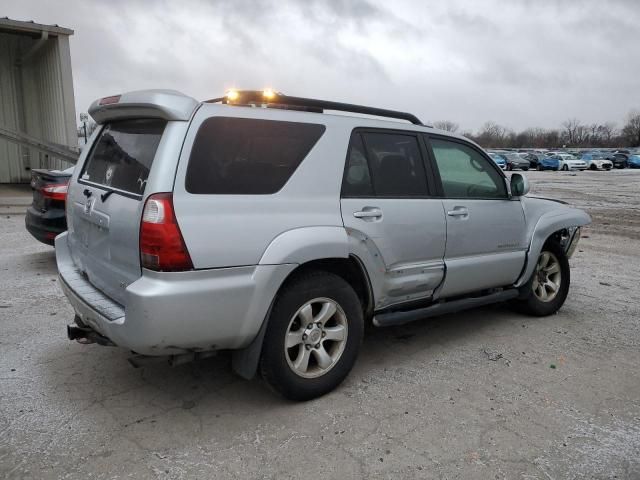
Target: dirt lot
point(483, 394)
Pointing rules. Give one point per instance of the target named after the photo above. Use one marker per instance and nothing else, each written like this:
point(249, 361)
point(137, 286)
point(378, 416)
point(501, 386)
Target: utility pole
point(83, 118)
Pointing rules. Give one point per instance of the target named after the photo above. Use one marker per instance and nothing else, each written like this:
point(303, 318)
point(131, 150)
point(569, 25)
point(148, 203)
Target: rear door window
point(122, 156)
point(384, 164)
point(244, 156)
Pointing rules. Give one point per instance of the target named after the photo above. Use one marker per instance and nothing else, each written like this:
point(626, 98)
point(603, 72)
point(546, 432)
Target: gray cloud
point(519, 63)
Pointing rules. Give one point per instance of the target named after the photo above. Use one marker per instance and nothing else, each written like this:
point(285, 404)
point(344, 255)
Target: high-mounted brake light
point(162, 247)
point(56, 191)
point(109, 100)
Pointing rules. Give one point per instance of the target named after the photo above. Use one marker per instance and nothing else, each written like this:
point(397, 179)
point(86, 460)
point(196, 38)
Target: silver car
point(261, 224)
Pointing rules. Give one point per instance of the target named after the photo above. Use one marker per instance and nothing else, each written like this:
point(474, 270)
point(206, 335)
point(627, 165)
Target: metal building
point(36, 98)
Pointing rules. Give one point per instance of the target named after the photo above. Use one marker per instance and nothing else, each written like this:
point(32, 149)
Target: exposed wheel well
point(350, 269)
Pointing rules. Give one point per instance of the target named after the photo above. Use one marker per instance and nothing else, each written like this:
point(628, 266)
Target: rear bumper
point(45, 226)
point(178, 312)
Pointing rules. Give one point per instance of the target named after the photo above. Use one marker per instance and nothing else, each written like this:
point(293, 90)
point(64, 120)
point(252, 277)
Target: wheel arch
point(552, 225)
point(350, 268)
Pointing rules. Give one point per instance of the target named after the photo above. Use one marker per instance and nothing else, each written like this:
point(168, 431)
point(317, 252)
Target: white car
point(569, 162)
point(595, 161)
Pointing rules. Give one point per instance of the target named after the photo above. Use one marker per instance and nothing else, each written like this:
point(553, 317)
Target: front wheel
point(565, 168)
point(313, 338)
point(548, 287)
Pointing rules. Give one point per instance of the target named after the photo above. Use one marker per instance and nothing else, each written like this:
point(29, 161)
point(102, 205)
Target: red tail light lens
point(55, 191)
point(162, 247)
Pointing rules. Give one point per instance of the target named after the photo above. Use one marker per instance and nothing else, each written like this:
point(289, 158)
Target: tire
point(593, 167)
point(565, 168)
point(525, 169)
point(539, 168)
point(532, 300)
point(311, 297)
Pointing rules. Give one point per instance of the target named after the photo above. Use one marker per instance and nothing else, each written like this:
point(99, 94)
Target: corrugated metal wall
point(11, 163)
point(36, 98)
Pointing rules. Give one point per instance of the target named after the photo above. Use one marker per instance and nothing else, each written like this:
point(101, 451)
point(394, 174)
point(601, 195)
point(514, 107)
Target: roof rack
point(270, 99)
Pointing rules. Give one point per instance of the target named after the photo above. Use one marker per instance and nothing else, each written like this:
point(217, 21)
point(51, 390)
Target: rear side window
point(247, 156)
point(384, 165)
point(122, 156)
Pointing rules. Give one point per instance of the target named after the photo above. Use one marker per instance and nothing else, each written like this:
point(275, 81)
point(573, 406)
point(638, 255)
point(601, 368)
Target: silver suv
point(260, 224)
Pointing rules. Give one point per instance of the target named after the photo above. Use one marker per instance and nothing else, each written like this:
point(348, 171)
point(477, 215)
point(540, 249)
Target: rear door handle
point(373, 213)
point(458, 212)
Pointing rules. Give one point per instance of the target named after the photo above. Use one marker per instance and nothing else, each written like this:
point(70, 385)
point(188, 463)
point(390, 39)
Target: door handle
point(374, 213)
point(458, 212)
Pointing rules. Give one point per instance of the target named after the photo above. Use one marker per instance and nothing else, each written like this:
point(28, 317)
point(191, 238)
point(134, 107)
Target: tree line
point(573, 133)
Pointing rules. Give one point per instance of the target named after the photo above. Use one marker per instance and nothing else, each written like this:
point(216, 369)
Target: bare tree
point(447, 125)
point(632, 128)
point(571, 128)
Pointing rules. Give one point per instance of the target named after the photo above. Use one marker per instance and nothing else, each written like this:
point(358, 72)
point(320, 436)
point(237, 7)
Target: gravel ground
point(481, 394)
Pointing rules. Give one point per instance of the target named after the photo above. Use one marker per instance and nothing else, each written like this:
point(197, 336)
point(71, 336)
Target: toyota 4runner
point(258, 223)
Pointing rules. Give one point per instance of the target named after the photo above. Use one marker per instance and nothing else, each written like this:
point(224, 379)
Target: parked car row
point(563, 160)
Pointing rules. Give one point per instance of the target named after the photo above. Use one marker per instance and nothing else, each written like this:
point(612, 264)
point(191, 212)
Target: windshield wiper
point(105, 195)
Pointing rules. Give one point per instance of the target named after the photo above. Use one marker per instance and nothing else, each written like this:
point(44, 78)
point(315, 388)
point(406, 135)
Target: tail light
point(56, 191)
point(162, 247)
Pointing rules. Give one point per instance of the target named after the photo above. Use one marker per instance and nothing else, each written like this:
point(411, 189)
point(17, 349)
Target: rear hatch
point(105, 203)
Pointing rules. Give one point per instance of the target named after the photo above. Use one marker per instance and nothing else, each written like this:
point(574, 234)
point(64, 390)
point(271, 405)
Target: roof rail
point(271, 99)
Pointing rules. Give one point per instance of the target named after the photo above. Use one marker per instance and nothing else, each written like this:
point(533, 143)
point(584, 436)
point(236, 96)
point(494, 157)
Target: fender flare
point(302, 245)
point(547, 225)
point(297, 246)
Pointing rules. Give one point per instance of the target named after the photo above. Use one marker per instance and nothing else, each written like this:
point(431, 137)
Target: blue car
point(540, 161)
point(499, 160)
point(634, 161)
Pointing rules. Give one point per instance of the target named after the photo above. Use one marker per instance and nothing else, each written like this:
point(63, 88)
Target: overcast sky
point(520, 63)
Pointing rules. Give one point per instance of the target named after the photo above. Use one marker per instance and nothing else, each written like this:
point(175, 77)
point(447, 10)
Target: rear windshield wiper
point(105, 195)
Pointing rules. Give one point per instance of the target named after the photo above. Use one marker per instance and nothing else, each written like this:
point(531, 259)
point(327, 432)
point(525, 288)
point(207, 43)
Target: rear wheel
point(314, 334)
point(548, 287)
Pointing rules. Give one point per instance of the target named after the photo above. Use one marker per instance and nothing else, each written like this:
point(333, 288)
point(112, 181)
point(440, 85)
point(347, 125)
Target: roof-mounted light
point(268, 94)
point(232, 95)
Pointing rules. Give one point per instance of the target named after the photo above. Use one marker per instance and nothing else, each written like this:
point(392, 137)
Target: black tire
point(274, 365)
point(565, 168)
point(593, 167)
point(525, 168)
point(539, 168)
point(529, 303)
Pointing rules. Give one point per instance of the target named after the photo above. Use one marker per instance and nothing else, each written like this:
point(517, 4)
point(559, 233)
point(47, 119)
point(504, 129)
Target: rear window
point(123, 153)
point(247, 156)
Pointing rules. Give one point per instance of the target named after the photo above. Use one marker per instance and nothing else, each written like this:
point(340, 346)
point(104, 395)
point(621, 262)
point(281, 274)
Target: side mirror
point(519, 185)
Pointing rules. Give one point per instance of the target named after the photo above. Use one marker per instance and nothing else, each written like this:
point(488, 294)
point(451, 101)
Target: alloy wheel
point(547, 277)
point(316, 338)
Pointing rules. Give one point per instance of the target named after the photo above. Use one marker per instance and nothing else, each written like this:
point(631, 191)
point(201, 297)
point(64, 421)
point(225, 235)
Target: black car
point(619, 159)
point(514, 161)
point(45, 217)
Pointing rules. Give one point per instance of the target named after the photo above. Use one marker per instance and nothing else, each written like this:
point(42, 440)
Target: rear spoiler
point(165, 104)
